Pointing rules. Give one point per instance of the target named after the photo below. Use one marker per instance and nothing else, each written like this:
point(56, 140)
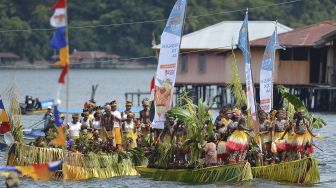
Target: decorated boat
point(77, 166)
point(224, 173)
point(304, 171)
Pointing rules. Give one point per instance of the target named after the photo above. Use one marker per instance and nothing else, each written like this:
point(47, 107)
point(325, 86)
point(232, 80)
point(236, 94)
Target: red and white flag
point(58, 19)
point(152, 86)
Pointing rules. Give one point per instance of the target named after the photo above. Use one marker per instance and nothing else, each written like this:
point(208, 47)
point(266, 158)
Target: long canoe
point(225, 173)
point(304, 171)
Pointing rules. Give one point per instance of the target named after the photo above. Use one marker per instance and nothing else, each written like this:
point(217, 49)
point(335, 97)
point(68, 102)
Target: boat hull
point(225, 173)
point(77, 166)
point(304, 171)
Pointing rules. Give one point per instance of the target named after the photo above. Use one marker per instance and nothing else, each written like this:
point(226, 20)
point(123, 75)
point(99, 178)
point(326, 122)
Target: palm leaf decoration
point(194, 117)
point(235, 85)
point(15, 118)
point(293, 103)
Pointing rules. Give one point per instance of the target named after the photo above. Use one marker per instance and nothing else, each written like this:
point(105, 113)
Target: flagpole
point(67, 89)
point(275, 39)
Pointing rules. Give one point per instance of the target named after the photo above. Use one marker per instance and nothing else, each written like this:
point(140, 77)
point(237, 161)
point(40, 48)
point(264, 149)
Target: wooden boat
point(77, 166)
point(304, 171)
point(224, 173)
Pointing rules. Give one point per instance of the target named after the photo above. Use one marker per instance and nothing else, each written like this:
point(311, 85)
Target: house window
point(201, 63)
point(296, 54)
point(184, 63)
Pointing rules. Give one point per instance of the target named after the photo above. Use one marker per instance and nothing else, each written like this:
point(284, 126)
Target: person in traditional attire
point(237, 142)
point(74, 127)
point(223, 120)
point(144, 118)
point(127, 111)
point(279, 126)
point(107, 123)
point(168, 133)
point(265, 131)
point(210, 152)
point(130, 134)
point(222, 154)
point(302, 137)
point(116, 124)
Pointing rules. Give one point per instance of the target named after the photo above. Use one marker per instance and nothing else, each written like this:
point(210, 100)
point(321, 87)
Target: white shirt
point(74, 129)
point(117, 114)
point(129, 126)
point(96, 124)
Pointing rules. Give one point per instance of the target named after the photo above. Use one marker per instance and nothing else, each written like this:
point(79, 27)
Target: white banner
point(168, 59)
point(266, 74)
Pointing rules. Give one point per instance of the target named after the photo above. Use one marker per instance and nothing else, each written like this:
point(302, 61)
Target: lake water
point(112, 85)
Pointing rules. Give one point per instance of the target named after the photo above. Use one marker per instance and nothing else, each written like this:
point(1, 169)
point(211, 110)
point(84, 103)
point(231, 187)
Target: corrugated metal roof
point(220, 35)
point(8, 55)
point(304, 36)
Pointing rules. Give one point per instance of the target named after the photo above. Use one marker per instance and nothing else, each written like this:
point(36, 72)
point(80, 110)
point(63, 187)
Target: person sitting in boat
point(38, 104)
point(74, 127)
point(210, 152)
point(130, 135)
point(107, 122)
point(39, 142)
point(237, 142)
point(303, 136)
point(116, 124)
point(279, 126)
point(264, 135)
point(48, 116)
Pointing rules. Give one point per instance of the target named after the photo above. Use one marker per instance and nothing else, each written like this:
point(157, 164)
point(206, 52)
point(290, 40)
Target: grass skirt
point(237, 141)
point(302, 142)
point(280, 144)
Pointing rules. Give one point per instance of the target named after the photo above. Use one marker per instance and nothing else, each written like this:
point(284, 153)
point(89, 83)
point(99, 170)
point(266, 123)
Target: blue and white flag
point(168, 59)
point(244, 46)
point(266, 73)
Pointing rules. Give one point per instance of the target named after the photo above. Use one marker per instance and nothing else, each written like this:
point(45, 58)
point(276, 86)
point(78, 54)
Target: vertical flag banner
point(266, 73)
point(244, 46)
point(168, 59)
point(59, 42)
point(4, 121)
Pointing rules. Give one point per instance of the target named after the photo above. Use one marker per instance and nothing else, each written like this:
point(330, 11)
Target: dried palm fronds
point(226, 173)
point(79, 166)
point(304, 171)
point(14, 114)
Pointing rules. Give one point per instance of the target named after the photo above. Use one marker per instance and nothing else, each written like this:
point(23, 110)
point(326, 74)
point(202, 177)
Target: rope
point(149, 21)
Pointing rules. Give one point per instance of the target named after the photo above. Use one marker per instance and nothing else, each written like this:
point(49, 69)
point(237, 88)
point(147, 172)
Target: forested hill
point(134, 40)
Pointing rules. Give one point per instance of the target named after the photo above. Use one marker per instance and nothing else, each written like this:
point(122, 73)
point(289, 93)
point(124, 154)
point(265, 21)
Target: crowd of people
point(105, 129)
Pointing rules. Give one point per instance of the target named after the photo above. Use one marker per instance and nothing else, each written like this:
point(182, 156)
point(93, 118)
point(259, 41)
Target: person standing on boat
point(107, 123)
point(116, 124)
point(129, 129)
point(223, 120)
point(74, 127)
point(144, 119)
point(48, 117)
point(127, 111)
point(302, 140)
point(279, 126)
point(265, 131)
point(96, 124)
point(237, 142)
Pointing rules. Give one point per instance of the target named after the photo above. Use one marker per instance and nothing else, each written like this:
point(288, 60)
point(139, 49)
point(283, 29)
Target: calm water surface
point(112, 85)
